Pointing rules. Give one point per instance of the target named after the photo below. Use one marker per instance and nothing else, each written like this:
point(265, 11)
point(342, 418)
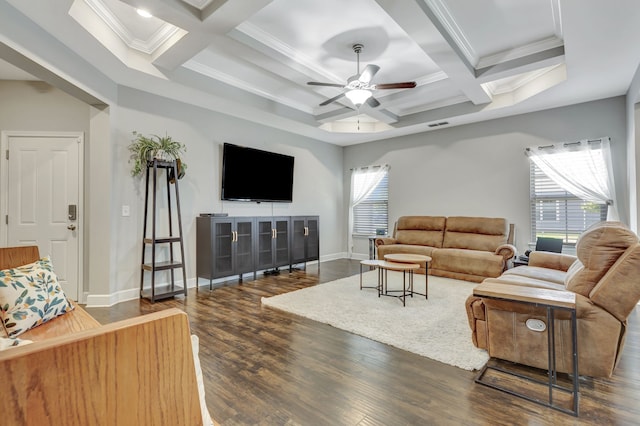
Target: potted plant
point(146, 148)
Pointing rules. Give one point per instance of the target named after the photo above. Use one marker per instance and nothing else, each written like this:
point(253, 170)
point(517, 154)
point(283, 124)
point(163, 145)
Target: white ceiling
point(471, 60)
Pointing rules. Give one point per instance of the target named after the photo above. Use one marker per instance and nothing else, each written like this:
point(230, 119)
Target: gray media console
point(227, 245)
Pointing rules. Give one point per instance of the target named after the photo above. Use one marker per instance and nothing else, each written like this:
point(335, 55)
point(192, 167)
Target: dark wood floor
point(263, 366)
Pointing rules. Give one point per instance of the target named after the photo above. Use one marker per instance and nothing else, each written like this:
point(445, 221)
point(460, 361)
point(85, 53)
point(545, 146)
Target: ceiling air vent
point(442, 123)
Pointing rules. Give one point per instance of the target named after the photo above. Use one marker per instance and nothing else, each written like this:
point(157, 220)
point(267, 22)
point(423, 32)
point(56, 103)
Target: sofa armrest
point(137, 371)
point(385, 241)
point(507, 251)
point(558, 261)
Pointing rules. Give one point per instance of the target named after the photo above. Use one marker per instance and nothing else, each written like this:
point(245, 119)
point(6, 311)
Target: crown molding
point(157, 39)
point(513, 84)
point(448, 21)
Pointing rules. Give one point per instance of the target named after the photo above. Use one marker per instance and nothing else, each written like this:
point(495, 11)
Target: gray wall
point(317, 176)
point(480, 169)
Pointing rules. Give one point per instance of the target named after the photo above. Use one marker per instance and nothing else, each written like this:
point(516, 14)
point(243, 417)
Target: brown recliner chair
point(605, 276)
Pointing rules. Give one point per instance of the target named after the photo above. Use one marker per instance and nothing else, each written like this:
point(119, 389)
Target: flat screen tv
point(250, 174)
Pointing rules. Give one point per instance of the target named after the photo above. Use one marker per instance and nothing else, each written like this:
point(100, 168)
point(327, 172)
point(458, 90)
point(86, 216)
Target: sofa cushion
point(420, 230)
point(525, 281)
point(475, 233)
point(404, 248)
point(598, 248)
point(535, 272)
point(473, 262)
point(29, 296)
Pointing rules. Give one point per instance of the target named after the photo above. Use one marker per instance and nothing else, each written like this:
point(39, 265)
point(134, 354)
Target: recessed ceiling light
point(144, 13)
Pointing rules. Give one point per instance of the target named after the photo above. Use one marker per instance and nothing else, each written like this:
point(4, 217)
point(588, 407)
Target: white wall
point(317, 176)
point(480, 169)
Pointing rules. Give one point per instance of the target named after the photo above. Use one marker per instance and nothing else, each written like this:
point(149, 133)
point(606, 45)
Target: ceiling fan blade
point(317, 83)
point(404, 85)
point(335, 98)
point(373, 102)
point(367, 74)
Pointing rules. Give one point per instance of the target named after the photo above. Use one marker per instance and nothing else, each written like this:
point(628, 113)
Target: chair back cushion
point(598, 249)
point(420, 230)
point(619, 290)
point(475, 233)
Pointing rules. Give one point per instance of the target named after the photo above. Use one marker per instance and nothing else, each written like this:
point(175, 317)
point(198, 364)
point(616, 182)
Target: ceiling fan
point(359, 88)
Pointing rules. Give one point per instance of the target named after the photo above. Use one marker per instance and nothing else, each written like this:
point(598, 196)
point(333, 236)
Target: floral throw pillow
point(30, 295)
point(6, 343)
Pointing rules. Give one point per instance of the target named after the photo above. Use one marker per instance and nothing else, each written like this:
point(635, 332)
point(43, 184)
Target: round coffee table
point(413, 258)
point(407, 287)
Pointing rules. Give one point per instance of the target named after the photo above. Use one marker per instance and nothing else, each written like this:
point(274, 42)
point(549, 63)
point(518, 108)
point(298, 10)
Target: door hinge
point(7, 154)
point(6, 219)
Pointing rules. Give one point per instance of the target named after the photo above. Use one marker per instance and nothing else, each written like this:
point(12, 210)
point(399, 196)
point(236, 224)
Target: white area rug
point(436, 328)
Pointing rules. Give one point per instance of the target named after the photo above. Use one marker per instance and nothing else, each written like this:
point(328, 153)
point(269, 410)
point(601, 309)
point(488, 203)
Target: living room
point(474, 168)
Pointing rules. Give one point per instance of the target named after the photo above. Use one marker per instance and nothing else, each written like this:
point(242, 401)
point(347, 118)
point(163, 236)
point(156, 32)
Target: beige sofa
point(466, 248)
point(605, 277)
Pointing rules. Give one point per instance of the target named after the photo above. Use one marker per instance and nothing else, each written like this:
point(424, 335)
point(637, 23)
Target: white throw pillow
point(195, 347)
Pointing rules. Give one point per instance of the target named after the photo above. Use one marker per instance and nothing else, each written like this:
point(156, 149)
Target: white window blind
point(372, 213)
point(557, 213)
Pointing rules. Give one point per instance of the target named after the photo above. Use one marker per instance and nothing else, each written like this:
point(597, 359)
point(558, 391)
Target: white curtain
point(581, 168)
point(363, 181)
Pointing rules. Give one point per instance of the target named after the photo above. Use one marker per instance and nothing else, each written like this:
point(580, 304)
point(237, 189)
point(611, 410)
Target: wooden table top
point(398, 266)
point(371, 262)
point(406, 258)
point(520, 293)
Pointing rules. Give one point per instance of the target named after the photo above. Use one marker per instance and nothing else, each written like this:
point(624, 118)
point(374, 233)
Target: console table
point(227, 246)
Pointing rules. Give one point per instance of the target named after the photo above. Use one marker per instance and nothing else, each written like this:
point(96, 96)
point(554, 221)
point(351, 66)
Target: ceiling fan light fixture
point(358, 96)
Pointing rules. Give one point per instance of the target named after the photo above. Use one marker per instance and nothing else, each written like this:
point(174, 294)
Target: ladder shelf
point(169, 289)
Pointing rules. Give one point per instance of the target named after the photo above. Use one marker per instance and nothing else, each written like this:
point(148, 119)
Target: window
point(372, 212)
point(557, 213)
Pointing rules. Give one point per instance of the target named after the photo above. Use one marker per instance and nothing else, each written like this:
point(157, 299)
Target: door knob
point(71, 227)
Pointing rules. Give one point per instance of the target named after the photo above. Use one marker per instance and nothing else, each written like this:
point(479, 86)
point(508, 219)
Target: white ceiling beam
point(382, 114)
point(422, 25)
point(517, 66)
point(218, 18)
point(379, 114)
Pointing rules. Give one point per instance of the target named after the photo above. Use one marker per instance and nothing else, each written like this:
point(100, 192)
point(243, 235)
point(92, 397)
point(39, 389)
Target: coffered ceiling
point(471, 60)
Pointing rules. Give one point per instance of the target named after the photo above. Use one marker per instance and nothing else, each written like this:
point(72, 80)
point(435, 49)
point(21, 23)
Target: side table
point(371, 263)
point(413, 258)
point(407, 288)
point(552, 300)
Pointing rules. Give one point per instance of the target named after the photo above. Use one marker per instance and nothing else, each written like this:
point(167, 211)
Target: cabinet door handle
point(273, 234)
point(306, 230)
point(234, 236)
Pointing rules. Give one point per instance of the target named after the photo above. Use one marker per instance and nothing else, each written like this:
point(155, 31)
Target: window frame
point(566, 209)
point(378, 197)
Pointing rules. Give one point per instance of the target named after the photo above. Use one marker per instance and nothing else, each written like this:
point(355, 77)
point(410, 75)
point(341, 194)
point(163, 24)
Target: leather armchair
point(605, 276)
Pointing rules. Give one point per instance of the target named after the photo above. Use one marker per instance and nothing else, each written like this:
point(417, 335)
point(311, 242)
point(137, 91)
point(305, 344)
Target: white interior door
point(44, 188)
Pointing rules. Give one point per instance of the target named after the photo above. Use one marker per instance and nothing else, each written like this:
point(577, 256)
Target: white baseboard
point(106, 300)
